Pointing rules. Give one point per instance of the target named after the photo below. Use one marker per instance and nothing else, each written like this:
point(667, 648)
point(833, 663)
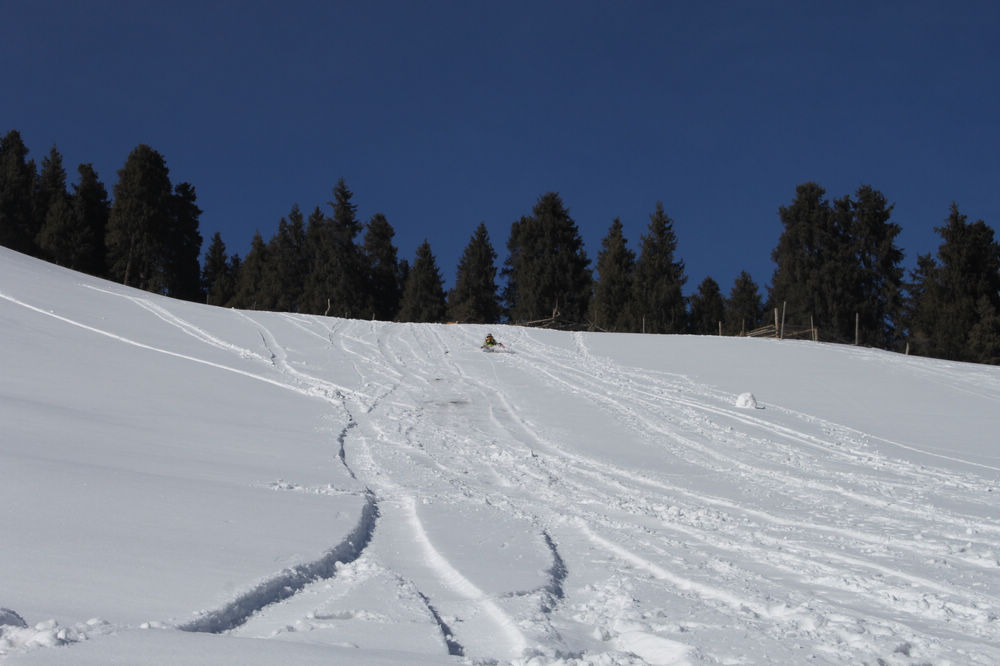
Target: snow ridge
point(291, 580)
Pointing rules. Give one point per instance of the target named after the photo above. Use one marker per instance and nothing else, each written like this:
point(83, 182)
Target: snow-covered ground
point(182, 484)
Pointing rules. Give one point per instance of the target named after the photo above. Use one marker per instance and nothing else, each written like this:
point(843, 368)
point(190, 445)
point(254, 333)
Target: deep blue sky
point(444, 114)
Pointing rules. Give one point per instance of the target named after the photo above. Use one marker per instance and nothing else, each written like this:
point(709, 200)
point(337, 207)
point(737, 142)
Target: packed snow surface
point(183, 484)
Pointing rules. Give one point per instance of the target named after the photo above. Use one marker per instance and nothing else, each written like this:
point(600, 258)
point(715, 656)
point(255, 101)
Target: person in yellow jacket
point(490, 343)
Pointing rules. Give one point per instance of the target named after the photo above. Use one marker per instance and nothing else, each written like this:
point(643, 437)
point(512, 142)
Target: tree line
point(837, 263)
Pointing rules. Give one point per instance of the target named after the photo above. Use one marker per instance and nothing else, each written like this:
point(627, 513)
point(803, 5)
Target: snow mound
point(746, 401)
point(11, 618)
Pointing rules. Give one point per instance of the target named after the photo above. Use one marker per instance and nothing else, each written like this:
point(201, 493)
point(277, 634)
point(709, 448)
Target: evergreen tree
point(659, 279)
point(423, 295)
point(182, 246)
point(984, 338)
point(140, 220)
point(91, 208)
point(337, 276)
point(217, 279)
point(744, 310)
point(611, 308)
point(18, 223)
point(474, 298)
point(63, 240)
point(880, 268)
point(708, 308)
point(60, 239)
point(547, 270)
point(314, 296)
point(51, 185)
point(384, 283)
point(803, 248)
point(288, 262)
point(252, 277)
point(921, 305)
point(951, 296)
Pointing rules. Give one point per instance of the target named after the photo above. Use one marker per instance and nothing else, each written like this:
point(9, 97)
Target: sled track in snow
point(289, 581)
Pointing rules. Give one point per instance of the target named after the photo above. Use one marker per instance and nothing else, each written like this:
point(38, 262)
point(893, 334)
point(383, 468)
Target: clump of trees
point(836, 263)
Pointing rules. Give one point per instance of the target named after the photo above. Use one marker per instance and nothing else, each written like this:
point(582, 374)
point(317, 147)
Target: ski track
point(927, 557)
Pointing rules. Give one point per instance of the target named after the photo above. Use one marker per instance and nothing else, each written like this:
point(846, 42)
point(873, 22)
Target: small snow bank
point(747, 401)
point(10, 618)
point(17, 637)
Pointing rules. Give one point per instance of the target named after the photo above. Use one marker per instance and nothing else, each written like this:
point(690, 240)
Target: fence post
point(784, 306)
point(776, 330)
point(857, 324)
point(720, 328)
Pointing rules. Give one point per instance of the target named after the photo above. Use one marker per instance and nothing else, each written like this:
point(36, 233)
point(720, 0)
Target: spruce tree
point(879, 265)
point(139, 222)
point(800, 278)
point(91, 208)
point(50, 186)
point(611, 308)
point(337, 284)
point(423, 295)
point(182, 246)
point(288, 263)
point(474, 298)
point(384, 284)
point(984, 337)
point(250, 293)
point(659, 278)
point(708, 308)
point(547, 269)
point(949, 297)
point(18, 222)
point(60, 238)
point(217, 279)
point(63, 240)
point(744, 309)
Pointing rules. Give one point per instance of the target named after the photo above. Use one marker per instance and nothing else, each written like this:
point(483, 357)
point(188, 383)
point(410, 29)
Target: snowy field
point(182, 484)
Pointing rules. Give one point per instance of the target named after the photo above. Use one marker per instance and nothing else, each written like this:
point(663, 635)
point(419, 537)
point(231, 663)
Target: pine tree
point(18, 222)
point(949, 297)
point(182, 246)
point(423, 295)
point(611, 308)
point(288, 263)
point(800, 278)
point(252, 277)
point(984, 338)
point(50, 186)
point(384, 284)
point(547, 270)
point(707, 308)
point(91, 208)
point(60, 238)
point(474, 298)
point(217, 279)
point(140, 220)
point(922, 303)
point(337, 276)
point(744, 309)
point(880, 271)
point(659, 279)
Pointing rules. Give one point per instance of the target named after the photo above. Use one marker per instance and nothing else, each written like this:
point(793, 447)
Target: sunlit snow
point(183, 484)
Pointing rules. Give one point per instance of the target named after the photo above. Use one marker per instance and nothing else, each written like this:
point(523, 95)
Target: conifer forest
point(838, 273)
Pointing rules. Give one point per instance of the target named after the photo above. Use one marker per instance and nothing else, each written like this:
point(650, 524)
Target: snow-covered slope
point(188, 484)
